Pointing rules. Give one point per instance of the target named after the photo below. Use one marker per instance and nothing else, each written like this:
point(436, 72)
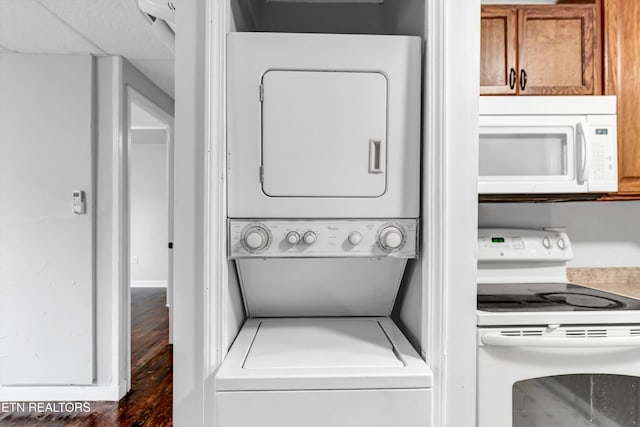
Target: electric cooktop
point(532, 297)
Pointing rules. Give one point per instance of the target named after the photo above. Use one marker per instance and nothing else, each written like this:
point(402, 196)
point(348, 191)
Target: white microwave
point(547, 145)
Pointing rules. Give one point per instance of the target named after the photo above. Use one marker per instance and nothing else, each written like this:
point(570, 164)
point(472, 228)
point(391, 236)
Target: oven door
point(559, 376)
point(533, 154)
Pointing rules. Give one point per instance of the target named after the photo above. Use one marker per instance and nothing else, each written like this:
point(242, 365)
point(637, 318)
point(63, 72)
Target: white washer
point(283, 372)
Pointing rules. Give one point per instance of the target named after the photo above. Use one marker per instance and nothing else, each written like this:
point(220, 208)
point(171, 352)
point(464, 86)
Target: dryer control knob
point(293, 237)
point(546, 242)
point(309, 237)
point(355, 238)
point(562, 244)
point(256, 238)
point(391, 237)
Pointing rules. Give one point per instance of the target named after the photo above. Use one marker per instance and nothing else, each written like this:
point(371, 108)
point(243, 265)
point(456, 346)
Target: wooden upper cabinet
point(498, 50)
point(622, 78)
point(551, 49)
point(556, 50)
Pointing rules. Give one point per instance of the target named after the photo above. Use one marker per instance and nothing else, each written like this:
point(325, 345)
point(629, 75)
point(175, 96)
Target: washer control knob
point(546, 242)
point(256, 238)
point(355, 238)
point(391, 237)
point(562, 244)
point(293, 237)
point(309, 237)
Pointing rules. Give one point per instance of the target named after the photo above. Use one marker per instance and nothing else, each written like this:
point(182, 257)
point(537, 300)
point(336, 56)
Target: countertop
point(620, 280)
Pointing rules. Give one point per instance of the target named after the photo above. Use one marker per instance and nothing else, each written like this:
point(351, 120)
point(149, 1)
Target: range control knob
point(391, 238)
point(293, 237)
point(256, 238)
point(309, 237)
point(355, 238)
point(546, 242)
point(562, 244)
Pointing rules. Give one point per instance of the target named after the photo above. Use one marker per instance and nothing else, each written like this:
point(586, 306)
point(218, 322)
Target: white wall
point(604, 234)
point(190, 254)
point(58, 105)
point(46, 252)
point(149, 219)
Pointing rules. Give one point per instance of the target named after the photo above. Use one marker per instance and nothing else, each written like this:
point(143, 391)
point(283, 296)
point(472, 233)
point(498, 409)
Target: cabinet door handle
point(512, 78)
point(523, 79)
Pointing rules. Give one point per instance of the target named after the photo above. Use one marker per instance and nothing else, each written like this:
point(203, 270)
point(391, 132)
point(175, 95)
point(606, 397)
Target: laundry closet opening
point(325, 304)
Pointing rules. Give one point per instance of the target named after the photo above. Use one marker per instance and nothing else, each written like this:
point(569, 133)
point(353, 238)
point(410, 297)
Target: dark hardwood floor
point(150, 400)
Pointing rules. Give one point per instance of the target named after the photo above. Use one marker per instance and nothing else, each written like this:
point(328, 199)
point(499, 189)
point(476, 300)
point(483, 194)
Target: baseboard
point(112, 393)
point(148, 283)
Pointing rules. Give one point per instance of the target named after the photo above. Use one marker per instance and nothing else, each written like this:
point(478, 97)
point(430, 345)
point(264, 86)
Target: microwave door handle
point(564, 342)
point(586, 154)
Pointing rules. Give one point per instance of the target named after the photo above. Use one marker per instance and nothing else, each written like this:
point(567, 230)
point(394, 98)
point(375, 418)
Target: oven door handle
point(565, 342)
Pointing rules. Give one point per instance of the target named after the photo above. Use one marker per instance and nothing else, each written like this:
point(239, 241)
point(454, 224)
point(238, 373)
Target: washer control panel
point(323, 238)
point(511, 244)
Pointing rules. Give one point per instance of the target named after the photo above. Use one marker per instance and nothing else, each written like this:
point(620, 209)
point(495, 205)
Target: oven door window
point(324, 134)
point(527, 153)
point(577, 400)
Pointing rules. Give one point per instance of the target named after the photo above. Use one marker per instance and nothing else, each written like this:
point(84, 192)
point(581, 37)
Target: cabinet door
point(498, 66)
point(556, 50)
point(622, 45)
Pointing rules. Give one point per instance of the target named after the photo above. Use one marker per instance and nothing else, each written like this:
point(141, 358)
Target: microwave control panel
point(510, 244)
point(602, 138)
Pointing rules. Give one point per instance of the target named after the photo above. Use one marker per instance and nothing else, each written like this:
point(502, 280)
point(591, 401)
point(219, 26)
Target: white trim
point(111, 393)
point(216, 126)
point(449, 205)
point(216, 269)
point(117, 132)
point(148, 283)
point(433, 202)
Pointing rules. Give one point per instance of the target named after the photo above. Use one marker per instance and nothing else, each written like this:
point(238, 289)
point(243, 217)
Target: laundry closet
point(324, 309)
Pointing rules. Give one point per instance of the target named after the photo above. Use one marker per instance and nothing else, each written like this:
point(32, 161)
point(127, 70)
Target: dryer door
point(324, 133)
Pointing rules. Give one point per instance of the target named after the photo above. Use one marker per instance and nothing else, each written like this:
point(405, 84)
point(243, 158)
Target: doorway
point(149, 186)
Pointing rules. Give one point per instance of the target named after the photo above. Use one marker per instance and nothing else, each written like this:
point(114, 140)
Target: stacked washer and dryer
point(323, 215)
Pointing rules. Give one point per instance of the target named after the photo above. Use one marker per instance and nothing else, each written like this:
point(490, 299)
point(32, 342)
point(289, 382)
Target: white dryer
point(323, 125)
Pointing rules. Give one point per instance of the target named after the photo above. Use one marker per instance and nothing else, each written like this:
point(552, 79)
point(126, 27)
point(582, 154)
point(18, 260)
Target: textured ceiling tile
point(27, 27)
point(161, 72)
point(117, 26)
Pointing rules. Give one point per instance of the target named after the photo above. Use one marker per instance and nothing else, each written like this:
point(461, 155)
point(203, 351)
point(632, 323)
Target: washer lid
point(321, 343)
point(338, 353)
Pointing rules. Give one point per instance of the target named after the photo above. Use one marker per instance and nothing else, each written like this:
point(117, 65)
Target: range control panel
point(511, 244)
point(323, 238)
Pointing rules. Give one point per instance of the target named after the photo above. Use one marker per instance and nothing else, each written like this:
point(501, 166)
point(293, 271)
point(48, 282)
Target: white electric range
point(550, 352)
